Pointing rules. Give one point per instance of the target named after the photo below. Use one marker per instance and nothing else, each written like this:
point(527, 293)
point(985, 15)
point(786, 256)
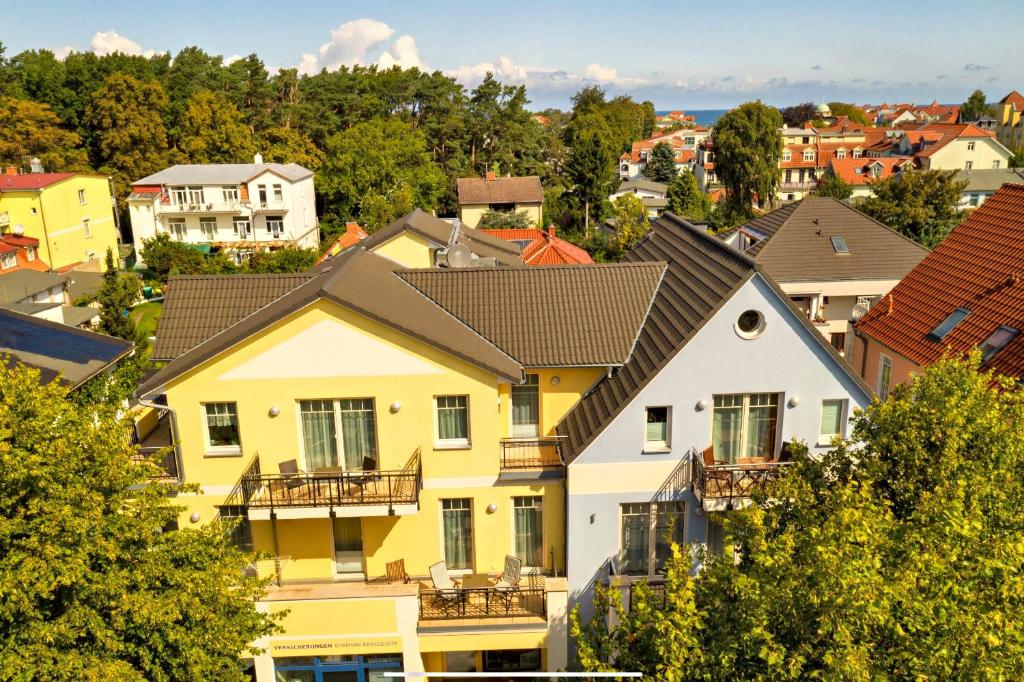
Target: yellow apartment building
point(71, 215)
point(369, 421)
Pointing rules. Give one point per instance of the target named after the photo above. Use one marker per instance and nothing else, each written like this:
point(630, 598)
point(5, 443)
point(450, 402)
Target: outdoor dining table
point(479, 581)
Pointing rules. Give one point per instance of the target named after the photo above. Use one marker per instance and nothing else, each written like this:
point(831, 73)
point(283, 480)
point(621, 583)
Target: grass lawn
point(146, 315)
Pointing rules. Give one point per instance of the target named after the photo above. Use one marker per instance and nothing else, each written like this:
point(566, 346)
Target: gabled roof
point(569, 315)
point(858, 171)
point(798, 246)
point(950, 132)
point(55, 349)
point(439, 232)
point(989, 179)
point(22, 283)
point(31, 181)
point(223, 173)
point(1014, 98)
point(978, 267)
point(544, 248)
point(500, 190)
point(352, 235)
point(642, 183)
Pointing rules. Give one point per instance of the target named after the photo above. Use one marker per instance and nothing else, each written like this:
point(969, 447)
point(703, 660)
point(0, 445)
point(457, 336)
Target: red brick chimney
point(551, 231)
point(490, 176)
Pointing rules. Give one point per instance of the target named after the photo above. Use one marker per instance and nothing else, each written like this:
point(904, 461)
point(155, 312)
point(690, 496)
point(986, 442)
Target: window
point(457, 529)
point(996, 341)
point(841, 154)
point(744, 425)
point(838, 341)
point(970, 146)
point(241, 227)
point(833, 417)
point(30, 253)
point(750, 324)
point(839, 245)
point(526, 408)
point(528, 530)
point(339, 434)
point(81, 197)
point(884, 376)
point(857, 153)
point(208, 228)
point(263, 195)
point(968, 165)
point(334, 668)
point(195, 196)
point(177, 229)
point(85, 228)
point(787, 155)
point(808, 155)
point(275, 226)
point(222, 426)
point(180, 195)
point(452, 420)
point(948, 324)
point(230, 195)
point(995, 164)
point(974, 199)
point(278, 194)
point(8, 260)
point(656, 429)
point(348, 546)
point(648, 531)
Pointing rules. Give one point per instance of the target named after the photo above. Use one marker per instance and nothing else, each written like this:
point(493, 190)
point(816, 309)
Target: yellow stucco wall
point(409, 249)
point(58, 220)
point(470, 214)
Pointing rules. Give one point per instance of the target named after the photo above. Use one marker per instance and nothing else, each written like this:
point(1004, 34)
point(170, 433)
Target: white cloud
point(351, 42)
point(228, 61)
point(109, 42)
point(606, 74)
point(403, 52)
point(62, 52)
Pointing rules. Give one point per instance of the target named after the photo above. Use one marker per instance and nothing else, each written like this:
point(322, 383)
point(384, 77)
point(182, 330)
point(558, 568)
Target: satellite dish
point(455, 256)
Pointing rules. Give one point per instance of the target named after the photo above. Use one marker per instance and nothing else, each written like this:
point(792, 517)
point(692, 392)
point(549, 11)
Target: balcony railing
point(201, 207)
point(531, 453)
point(807, 184)
point(158, 440)
point(334, 488)
point(472, 603)
point(731, 483)
point(270, 206)
point(655, 584)
point(167, 462)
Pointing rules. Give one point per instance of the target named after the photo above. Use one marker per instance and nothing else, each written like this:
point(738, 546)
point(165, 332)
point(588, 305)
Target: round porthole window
point(750, 324)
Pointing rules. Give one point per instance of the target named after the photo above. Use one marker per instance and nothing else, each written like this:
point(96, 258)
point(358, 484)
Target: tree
point(29, 129)
point(374, 165)
point(850, 111)
point(833, 186)
point(591, 173)
point(661, 164)
point(799, 114)
point(117, 294)
point(505, 220)
point(1017, 157)
point(164, 257)
point(975, 107)
point(288, 145)
point(91, 585)
point(212, 131)
point(631, 223)
point(896, 556)
point(282, 260)
point(922, 205)
point(748, 147)
point(685, 198)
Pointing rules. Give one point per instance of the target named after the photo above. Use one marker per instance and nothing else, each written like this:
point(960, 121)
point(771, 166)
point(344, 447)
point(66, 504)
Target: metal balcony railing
point(531, 453)
point(732, 482)
point(472, 603)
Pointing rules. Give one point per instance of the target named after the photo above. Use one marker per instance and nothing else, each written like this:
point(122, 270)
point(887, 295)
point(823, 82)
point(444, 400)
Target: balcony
point(319, 493)
point(157, 441)
point(476, 603)
point(531, 458)
point(721, 487)
point(805, 185)
point(269, 207)
point(202, 208)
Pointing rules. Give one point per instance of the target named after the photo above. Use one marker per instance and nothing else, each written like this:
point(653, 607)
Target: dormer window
point(857, 152)
point(840, 245)
point(948, 324)
point(996, 341)
point(808, 155)
point(840, 153)
point(787, 155)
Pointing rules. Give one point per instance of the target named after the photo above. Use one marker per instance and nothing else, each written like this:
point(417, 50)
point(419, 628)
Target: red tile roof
point(500, 190)
point(352, 235)
point(978, 267)
point(947, 133)
point(31, 181)
point(846, 169)
point(544, 247)
point(1014, 98)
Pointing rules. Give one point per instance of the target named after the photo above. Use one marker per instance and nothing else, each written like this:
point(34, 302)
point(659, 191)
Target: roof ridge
point(546, 268)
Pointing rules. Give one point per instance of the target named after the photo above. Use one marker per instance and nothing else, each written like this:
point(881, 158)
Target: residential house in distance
point(675, 118)
point(1009, 125)
point(832, 261)
point(236, 207)
point(43, 295)
point(543, 247)
point(493, 193)
point(426, 449)
point(60, 352)
point(954, 146)
point(18, 252)
point(966, 294)
point(684, 144)
point(677, 432)
point(704, 169)
point(653, 194)
point(982, 184)
point(352, 235)
point(861, 172)
point(70, 215)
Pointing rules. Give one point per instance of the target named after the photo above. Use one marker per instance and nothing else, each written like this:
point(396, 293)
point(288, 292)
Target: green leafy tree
point(375, 164)
point(748, 147)
point(631, 223)
point(248, 87)
point(922, 205)
point(661, 164)
point(590, 170)
point(212, 131)
point(118, 292)
point(685, 198)
point(91, 587)
point(833, 186)
point(852, 112)
point(288, 145)
point(164, 256)
point(505, 220)
point(29, 129)
point(501, 129)
point(282, 260)
point(1017, 157)
point(797, 115)
point(975, 107)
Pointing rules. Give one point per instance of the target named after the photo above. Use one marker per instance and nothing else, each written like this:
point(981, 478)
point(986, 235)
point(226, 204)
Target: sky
point(688, 55)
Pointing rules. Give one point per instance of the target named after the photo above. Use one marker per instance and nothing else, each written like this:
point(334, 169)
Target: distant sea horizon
point(704, 117)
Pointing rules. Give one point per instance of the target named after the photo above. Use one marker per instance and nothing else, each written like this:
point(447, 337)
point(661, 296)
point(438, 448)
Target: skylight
point(839, 244)
point(948, 324)
point(996, 341)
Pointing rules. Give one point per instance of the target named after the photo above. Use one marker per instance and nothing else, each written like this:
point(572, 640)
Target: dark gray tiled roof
point(22, 284)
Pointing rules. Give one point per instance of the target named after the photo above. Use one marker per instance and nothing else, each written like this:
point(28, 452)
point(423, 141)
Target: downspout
point(864, 354)
point(175, 442)
point(46, 232)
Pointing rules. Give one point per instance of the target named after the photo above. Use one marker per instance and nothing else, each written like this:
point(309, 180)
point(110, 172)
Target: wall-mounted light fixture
point(491, 508)
point(793, 402)
point(593, 519)
point(555, 380)
point(701, 405)
point(194, 518)
point(395, 407)
point(274, 411)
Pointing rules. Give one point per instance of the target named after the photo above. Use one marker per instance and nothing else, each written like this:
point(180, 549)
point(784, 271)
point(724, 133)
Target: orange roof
point(352, 235)
point(1014, 98)
point(544, 248)
point(859, 171)
point(947, 132)
point(978, 267)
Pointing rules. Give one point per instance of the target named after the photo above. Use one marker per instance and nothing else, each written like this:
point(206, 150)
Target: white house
point(724, 372)
point(237, 207)
point(654, 195)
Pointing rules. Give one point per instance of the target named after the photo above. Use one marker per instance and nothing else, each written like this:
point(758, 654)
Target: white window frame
point(30, 253)
point(235, 222)
point(196, 196)
point(659, 446)
point(840, 153)
point(277, 191)
point(970, 146)
point(8, 260)
point(540, 409)
point(229, 194)
point(652, 533)
point(275, 226)
point(543, 530)
point(451, 443)
point(745, 399)
point(180, 195)
point(354, 575)
point(177, 228)
point(472, 534)
point(339, 437)
point(884, 361)
point(808, 155)
point(204, 223)
point(81, 197)
point(826, 438)
point(86, 229)
point(220, 450)
point(787, 155)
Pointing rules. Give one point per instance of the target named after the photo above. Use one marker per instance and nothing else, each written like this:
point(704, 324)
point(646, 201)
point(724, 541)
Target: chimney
point(36, 165)
point(258, 159)
point(551, 231)
point(350, 228)
point(11, 170)
point(490, 176)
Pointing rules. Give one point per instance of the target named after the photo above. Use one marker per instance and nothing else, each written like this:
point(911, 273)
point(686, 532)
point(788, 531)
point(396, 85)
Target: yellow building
point(71, 215)
point(508, 194)
point(368, 422)
point(1009, 126)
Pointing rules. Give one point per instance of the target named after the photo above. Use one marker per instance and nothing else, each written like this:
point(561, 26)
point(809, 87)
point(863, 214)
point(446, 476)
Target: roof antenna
point(456, 227)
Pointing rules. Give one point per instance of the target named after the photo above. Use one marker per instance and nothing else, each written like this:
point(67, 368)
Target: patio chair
point(396, 572)
point(290, 479)
point(447, 593)
point(507, 584)
point(718, 482)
